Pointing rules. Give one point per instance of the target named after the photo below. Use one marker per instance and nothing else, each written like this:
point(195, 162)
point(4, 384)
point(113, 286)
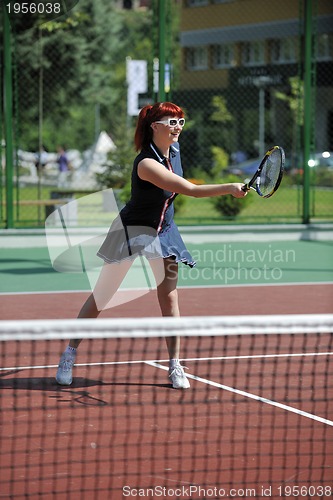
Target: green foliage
point(221, 113)
point(125, 194)
point(229, 206)
point(322, 177)
point(67, 67)
point(295, 99)
point(179, 204)
point(319, 176)
point(221, 136)
point(210, 138)
point(220, 160)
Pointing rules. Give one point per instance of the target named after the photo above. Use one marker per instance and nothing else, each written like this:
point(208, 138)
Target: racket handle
point(246, 188)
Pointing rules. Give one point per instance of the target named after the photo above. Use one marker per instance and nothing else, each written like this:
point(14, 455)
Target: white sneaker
point(64, 374)
point(178, 377)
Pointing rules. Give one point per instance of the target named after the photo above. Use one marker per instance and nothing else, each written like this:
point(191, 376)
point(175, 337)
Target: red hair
point(150, 114)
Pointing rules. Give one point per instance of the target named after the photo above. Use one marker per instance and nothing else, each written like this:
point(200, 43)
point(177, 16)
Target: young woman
point(156, 180)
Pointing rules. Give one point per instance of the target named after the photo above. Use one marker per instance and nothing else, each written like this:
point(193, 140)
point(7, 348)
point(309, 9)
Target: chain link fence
point(243, 76)
point(238, 69)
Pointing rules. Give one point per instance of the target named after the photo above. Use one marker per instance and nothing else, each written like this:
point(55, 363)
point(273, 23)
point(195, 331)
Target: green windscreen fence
point(248, 78)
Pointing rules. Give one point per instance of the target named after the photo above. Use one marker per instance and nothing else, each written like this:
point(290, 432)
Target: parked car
point(324, 159)
point(246, 168)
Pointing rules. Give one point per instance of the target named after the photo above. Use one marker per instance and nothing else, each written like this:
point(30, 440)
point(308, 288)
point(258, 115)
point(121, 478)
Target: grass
point(284, 206)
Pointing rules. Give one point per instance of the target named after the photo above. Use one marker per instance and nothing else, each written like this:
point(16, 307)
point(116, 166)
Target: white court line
point(250, 395)
point(181, 287)
point(138, 361)
point(157, 364)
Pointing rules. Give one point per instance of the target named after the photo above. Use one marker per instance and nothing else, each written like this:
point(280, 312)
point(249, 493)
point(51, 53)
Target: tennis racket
point(268, 177)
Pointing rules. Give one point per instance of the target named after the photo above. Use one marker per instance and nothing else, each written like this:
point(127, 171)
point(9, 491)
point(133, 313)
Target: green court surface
point(25, 264)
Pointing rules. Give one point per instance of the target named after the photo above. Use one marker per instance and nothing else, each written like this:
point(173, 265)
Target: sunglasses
point(173, 122)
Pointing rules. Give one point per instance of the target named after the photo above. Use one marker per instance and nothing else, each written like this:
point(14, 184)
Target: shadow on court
point(49, 384)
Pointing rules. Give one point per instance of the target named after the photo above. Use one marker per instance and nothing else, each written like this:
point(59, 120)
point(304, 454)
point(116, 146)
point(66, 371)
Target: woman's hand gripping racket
point(269, 174)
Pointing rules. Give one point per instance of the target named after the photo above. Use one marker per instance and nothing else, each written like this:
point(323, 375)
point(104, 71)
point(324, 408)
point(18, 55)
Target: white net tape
point(157, 327)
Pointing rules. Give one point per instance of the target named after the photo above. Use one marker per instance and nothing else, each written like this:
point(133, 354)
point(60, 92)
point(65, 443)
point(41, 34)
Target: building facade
point(244, 49)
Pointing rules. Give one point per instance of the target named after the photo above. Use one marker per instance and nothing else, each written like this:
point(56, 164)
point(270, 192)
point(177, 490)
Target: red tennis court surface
point(122, 425)
point(257, 419)
point(231, 300)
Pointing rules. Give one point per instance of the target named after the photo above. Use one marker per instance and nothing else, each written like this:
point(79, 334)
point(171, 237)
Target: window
point(253, 53)
point(223, 56)
point(325, 47)
point(284, 50)
point(197, 58)
point(196, 3)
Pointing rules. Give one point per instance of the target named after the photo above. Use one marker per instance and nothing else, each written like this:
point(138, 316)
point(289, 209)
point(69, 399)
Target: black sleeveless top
point(147, 216)
point(150, 205)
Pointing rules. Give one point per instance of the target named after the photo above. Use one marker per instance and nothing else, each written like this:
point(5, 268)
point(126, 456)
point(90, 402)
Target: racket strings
point(269, 177)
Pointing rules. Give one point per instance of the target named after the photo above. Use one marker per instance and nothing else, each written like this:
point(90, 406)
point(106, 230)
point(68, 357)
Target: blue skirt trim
point(128, 242)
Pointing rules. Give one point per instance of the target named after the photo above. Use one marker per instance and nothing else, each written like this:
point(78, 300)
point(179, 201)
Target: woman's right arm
point(156, 173)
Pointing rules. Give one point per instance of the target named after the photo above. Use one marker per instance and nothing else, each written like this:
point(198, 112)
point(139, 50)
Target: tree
point(64, 69)
point(224, 118)
point(295, 102)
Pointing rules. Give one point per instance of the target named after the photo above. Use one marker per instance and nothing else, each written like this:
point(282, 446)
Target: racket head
point(267, 178)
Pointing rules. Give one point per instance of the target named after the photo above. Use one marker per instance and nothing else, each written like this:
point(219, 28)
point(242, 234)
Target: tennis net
point(256, 422)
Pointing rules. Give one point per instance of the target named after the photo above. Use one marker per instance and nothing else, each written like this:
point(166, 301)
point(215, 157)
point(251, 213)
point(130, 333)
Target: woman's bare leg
point(107, 284)
point(168, 300)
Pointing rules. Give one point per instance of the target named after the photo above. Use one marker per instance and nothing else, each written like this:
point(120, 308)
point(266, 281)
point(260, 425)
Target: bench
point(42, 203)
